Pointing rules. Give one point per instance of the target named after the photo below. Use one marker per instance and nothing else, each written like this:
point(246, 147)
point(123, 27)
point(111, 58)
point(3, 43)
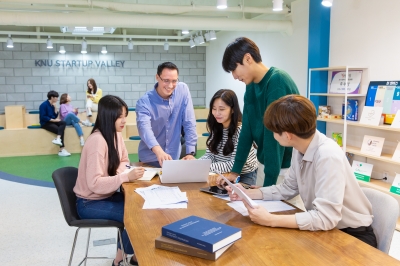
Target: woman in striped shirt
point(224, 123)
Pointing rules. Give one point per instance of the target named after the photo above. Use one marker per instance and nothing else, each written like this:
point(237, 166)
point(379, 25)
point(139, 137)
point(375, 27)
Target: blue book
point(202, 233)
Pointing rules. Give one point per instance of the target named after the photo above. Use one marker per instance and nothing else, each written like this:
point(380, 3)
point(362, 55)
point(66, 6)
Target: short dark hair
point(51, 94)
point(235, 52)
point(109, 110)
point(168, 65)
point(216, 129)
point(293, 114)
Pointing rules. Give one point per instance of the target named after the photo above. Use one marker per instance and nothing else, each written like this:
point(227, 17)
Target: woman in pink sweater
point(102, 170)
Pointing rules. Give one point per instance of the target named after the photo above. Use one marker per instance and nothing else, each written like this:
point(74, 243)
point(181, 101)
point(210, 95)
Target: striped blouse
point(224, 164)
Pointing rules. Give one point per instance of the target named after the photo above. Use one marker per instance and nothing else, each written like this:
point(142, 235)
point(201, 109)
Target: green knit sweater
point(258, 96)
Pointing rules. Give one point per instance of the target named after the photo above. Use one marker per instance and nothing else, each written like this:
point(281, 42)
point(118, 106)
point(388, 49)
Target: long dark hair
point(91, 81)
point(63, 98)
point(216, 129)
point(109, 110)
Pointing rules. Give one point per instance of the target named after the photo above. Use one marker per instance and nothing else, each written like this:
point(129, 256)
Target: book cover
point(202, 233)
point(178, 247)
point(352, 110)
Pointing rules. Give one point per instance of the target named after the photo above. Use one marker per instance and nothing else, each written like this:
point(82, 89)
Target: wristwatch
point(192, 153)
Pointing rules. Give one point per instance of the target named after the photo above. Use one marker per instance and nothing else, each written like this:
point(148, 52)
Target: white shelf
point(337, 95)
point(336, 68)
point(387, 158)
point(357, 124)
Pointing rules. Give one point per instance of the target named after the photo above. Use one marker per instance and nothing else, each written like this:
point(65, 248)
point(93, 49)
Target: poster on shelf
point(384, 94)
point(371, 115)
point(372, 145)
point(338, 83)
point(362, 170)
point(396, 120)
point(396, 154)
point(395, 188)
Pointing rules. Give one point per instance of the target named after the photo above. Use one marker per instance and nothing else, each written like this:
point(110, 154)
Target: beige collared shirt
point(325, 181)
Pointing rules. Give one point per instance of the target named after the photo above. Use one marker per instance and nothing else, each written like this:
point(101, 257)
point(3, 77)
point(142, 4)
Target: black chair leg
point(73, 247)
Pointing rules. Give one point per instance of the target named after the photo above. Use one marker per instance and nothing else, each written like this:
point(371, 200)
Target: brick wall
point(23, 83)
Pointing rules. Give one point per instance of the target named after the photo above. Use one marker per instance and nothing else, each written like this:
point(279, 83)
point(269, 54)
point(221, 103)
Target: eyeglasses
point(167, 81)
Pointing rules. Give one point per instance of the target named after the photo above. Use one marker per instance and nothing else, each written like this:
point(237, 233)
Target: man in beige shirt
point(319, 172)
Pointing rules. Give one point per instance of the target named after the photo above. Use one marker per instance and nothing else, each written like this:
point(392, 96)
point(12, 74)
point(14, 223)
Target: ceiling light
point(130, 44)
point(327, 3)
point(166, 45)
point(62, 50)
point(104, 50)
point(277, 5)
point(191, 42)
point(10, 43)
point(49, 43)
point(199, 39)
point(87, 30)
point(222, 4)
point(207, 36)
point(185, 31)
point(84, 47)
point(213, 36)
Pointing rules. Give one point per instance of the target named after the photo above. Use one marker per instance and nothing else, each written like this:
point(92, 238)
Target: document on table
point(149, 173)
point(269, 205)
point(162, 197)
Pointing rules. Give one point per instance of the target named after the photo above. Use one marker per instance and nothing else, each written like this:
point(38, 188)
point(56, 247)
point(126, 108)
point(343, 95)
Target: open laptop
point(185, 171)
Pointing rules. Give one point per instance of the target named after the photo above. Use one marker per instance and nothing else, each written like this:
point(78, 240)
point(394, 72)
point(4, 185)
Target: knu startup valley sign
point(79, 63)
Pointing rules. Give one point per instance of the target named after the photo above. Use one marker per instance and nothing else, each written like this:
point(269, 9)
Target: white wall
point(286, 52)
point(366, 33)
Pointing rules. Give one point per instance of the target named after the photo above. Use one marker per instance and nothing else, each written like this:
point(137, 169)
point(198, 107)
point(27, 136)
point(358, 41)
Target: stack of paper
point(269, 205)
point(162, 197)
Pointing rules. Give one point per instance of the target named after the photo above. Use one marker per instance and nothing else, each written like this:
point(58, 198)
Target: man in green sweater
point(263, 86)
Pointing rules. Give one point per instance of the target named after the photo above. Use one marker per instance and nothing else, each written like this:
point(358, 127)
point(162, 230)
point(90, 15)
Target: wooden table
point(259, 245)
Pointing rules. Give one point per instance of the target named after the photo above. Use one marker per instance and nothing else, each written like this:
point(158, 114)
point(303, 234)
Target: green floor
point(41, 167)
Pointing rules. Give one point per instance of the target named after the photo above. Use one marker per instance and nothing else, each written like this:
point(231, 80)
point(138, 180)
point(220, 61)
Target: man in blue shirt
point(160, 115)
point(49, 121)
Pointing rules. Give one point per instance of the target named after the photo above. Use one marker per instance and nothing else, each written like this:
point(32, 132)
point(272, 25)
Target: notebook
point(149, 173)
point(185, 171)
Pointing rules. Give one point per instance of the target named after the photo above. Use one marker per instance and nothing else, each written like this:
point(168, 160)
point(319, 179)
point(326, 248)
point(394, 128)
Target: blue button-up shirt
point(160, 121)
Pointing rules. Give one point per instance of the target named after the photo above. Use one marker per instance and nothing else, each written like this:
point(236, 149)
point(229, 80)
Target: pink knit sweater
point(93, 180)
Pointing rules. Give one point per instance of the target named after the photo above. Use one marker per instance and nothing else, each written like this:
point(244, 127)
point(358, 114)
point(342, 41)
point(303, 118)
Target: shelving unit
point(353, 131)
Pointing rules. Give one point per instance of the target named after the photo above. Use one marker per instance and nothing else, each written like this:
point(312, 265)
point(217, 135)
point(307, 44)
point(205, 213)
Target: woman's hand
point(231, 177)
point(135, 173)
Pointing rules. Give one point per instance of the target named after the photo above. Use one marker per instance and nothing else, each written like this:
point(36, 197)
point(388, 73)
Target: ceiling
point(145, 21)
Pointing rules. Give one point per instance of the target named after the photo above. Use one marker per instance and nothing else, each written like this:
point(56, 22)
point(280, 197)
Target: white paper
point(162, 197)
point(240, 192)
point(396, 154)
point(396, 120)
point(149, 173)
point(222, 197)
point(371, 115)
point(372, 145)
point(362, 170)
point(269, 205)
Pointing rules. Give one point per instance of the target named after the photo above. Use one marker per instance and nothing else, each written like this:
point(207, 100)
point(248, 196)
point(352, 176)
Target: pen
point(130, 166)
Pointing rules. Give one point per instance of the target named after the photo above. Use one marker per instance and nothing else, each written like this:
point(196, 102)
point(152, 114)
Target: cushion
point(135, 138)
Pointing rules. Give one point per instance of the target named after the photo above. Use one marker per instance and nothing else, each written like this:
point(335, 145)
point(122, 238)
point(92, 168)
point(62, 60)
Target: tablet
point(215, 190)
point(240, 192)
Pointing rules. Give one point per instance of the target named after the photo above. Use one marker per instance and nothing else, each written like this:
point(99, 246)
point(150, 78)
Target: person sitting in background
point(93, 96)
point(319, 172)
point(224, 123)
point(69, 115)
point(48, 116)
point(102, 170)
